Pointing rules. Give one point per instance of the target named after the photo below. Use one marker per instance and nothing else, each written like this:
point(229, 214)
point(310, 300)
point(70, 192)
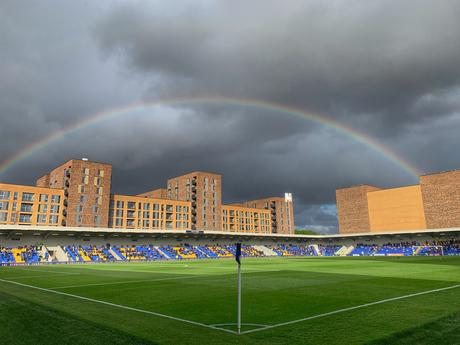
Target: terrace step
point(42, 252)
point(316, 250)
point(265, 250)
point(58, 254)
point(115, 255)
point(163, 253)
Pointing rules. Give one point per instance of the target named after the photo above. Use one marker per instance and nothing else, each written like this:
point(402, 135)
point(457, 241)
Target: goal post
point(432, 250)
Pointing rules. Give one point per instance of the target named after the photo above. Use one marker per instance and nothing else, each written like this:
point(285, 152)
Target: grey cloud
point(386, 68)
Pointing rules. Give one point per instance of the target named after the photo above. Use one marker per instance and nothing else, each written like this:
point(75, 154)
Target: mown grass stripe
point(120, 306)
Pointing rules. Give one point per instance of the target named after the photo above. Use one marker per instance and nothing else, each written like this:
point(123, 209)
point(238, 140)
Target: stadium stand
point(29, 255)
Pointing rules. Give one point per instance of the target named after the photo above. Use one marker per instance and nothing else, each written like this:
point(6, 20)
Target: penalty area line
point(351, 308)
point(195, 323)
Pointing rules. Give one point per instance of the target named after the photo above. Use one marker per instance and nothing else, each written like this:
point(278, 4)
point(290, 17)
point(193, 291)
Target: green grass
point(275, 290)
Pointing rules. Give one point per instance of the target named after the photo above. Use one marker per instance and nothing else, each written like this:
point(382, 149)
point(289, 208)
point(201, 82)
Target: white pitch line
point(351, 308)
point(33, 276)
point(120, 282)
point(47, 271)
point(121, 306)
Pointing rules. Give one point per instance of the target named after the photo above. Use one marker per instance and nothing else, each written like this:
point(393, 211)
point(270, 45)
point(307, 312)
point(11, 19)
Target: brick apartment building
point(434, 203)
point(78, 194)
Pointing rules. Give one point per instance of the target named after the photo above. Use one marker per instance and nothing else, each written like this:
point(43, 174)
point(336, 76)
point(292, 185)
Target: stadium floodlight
point(238, 260)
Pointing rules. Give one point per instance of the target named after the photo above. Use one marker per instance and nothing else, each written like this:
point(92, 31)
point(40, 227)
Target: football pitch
point(363, 300)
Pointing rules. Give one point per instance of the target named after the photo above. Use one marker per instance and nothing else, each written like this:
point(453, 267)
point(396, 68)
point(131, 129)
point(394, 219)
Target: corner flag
point(238, 253)
point(237, 258)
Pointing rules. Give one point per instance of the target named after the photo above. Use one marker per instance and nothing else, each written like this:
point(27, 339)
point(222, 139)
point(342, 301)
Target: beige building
point(28, 205)
point(432, 204)
point(245, 219)
point(78, 194)
point(135, 212)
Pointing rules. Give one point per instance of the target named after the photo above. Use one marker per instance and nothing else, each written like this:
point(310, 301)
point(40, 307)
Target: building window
point(4, 205)
point(28, 196)
point(156, 207)
point(81, 188)
point(146, 206)
point(54, 219)
point(26, 207)
point(43, 208)
point(131, 205)
point(145, 224)
point(146, 214)
point(4, 195)
point(86, 171)
point(100, 172)
point(119, 213)
point(41, 218)
point(118, 222)
point(24, 218)
point(43, 197)
point(55, 199)
point(120, 204)
point(97, 220)
point(3, 216)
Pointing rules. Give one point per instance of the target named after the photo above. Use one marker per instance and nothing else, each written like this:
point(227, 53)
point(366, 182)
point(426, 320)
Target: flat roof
point(206, 233)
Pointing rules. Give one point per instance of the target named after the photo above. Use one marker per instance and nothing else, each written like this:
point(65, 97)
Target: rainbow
point(105, 115)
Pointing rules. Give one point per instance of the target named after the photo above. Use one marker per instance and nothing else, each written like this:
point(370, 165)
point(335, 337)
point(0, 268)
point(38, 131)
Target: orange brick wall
point(352, 209)
point(441, 199)
point(396, 209)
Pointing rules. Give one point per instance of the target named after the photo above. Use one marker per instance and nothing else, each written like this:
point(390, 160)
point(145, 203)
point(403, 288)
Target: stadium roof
point(111, 232)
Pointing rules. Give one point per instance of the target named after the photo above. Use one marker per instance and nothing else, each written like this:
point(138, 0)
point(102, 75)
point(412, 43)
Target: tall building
point(86, 187)
point(281, 212)
point(204, 191)
point(78, 194)
point(432, 204)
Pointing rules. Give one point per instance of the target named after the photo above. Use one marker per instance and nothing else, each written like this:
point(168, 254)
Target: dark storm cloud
point(376, 58)
point(387, 68)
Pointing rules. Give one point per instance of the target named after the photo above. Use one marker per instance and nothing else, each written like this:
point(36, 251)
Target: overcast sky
point(388, 69)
